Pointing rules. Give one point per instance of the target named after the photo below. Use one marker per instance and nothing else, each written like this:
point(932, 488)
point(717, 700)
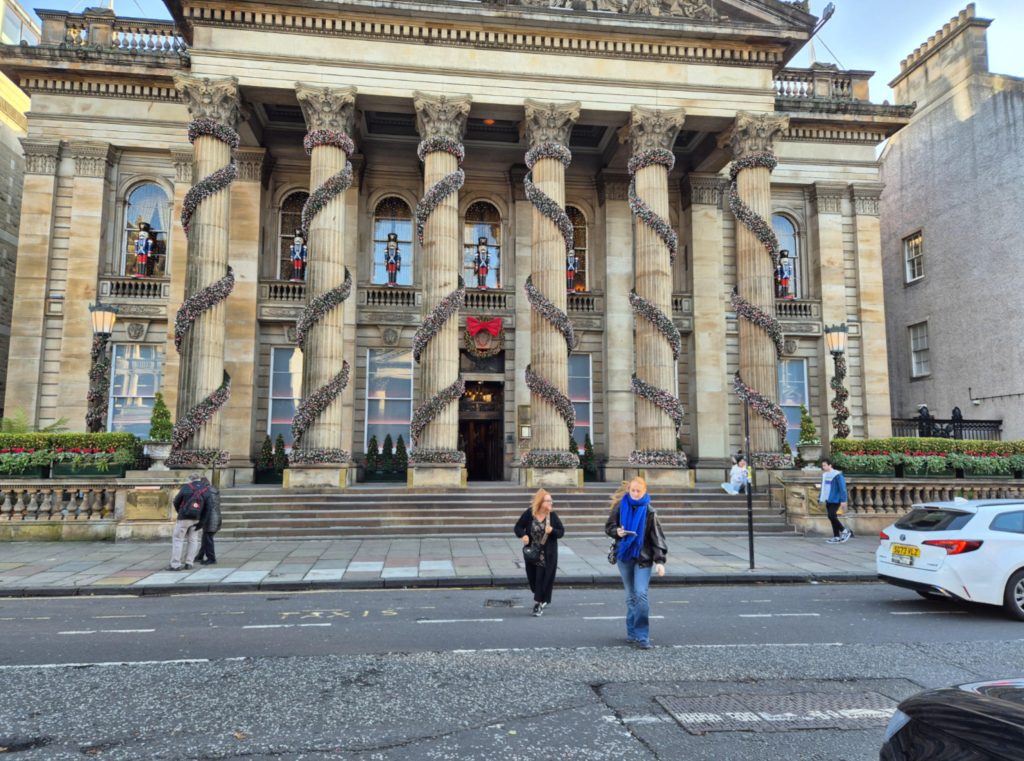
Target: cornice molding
point(854, 134)
point(41, 156)
point(828, 197)
point(98, 88)
point(91, 158)
point(867, 200)
point(592, 44)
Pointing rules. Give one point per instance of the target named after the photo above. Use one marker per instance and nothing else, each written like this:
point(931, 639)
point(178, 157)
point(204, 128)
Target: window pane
point(290, 222)
point(579, 230)
point(131, 415)
point(392, 216)
point(787, 275)
point(389, 374)
point(1012, 522)
point(792, 393)
point(482, 221)
point(147, 209)
point(136, 370)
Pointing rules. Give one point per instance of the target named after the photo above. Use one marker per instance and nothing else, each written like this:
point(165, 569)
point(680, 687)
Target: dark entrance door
point(481, 434)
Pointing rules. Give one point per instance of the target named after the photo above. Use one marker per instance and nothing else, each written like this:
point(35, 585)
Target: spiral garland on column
point(540, 200)
point(839, 401)
point(443, 311)
point(314, 404)
point(752, 313)
point(202, 301)
point(99, 383)
point(644, 214)
point(664, 400)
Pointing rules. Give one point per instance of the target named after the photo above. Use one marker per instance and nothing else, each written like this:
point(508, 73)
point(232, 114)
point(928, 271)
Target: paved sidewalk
point(84, 568)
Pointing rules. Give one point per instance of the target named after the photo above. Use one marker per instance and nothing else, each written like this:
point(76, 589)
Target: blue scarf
point(632, 517)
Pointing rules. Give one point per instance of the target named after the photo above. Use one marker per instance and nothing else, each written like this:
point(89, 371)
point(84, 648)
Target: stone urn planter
point(158, 452)
point(810, 453)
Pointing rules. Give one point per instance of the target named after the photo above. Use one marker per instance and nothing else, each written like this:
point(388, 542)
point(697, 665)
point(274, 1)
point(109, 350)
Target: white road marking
point(675, 602)
point(126, 631)
point(610, 618)
point(281, 626)
point(779, 615)
point(589, 604)
point(927, 612)
point(460, 620)
point(639, 719)
point(79, 631)
point(143, 615)
point(754, 601)
point(770, 644)
point(37, 618)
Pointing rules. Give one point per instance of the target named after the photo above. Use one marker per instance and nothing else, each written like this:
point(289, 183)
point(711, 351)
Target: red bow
point(474, 326)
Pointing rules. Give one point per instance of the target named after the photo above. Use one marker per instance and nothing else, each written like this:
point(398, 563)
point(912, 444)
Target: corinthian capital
point(441, 115)
point(549, 122)
point(206, 98)
point(326, 107)
point(652, 129)
point(754, 133)
point(41, 156)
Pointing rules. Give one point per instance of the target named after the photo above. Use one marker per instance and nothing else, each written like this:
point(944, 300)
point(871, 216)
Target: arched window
point(148, 209)
point(289, 222)
point(392, 217)
point(787, 276)
point(579, 235)
point(482, 245)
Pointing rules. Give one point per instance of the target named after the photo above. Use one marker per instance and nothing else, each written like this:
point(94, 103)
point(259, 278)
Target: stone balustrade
point(822, 81)
point(99, 28)
point(115, 289)
point(382, 296)
point(586, 302)
point(49, 501)
point(489, 301)
point(147, 36)
point(798, 309)
point(283, 290)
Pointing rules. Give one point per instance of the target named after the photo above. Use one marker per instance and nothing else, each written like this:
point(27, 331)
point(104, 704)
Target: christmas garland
point(661, 321)
point(764, 233)
point(318, 456)
point(196, 417)
point(197, 458)
point(200, 302)
point(443, 311)
point(754, 314)
point(313, 406)
point(99, 383)
point(547, 391)
point(450, 183)
point(437, 457)
point(218, 180)
point(433, 406)
point(550, 458)
point(639, 207)
point(773, 460)
point(541, 201)
point(336, 184)
point(663, 400)
point(658, 457)
point(320, 306)
point(546, 309)
point(839, 402)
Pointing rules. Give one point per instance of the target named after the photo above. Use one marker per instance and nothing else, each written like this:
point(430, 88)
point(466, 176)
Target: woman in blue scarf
point(639, 545)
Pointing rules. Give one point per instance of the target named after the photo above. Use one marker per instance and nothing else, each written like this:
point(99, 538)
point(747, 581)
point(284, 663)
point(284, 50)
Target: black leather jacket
point(654, 548)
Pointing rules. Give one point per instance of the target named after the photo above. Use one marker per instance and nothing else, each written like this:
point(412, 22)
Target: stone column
point(827, 228)
point(177, 266)
point(751, 139)
point(241, 321)
point(88, 191)
point(659, 412)
point(35, 232)
point(203, 385)
point(318, 456)
point(867, 235)
point(549, 462)
point(436, 459)
point(710, 299)
point(620, 412)
point(523, 232)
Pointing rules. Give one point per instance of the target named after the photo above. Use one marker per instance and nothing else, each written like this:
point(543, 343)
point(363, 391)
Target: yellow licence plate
point(906, 551)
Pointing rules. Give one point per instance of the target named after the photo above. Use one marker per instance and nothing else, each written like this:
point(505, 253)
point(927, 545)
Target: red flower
point(18, 450)
point(111, 449)
point(5, 451)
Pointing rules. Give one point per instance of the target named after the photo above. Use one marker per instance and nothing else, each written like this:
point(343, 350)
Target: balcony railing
point(489, 300)
point(376, 296)
point(99, 27)
point(822, 81)
point(135, 288)
point(283, 290)
point(586, 302)
point(971, 430)
point(797, 309)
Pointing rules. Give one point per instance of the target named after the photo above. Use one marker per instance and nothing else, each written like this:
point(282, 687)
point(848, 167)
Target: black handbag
point(533, 553)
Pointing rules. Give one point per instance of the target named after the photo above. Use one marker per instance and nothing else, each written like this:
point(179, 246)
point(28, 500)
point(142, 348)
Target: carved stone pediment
point(691, 9)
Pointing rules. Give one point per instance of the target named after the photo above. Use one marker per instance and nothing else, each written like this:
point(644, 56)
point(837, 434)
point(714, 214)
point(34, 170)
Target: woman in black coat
point(540, 524)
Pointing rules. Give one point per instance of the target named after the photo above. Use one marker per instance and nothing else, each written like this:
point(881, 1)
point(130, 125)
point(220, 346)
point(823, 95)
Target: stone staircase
point(380, 511)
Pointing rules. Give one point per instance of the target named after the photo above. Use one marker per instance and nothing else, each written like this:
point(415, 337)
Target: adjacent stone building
point(952, 235)
point(569, 166)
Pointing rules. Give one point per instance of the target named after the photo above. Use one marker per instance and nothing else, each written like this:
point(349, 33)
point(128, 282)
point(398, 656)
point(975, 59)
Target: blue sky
point(863, 34)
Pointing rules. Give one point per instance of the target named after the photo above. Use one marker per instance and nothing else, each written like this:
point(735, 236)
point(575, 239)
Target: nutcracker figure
point(572, 264)
point(392, 259)
point(143, 251)
point(782, 276)
point(482, 262)
point(298, 253)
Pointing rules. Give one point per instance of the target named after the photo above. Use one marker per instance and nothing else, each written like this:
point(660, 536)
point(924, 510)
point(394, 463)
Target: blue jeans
point(636, 580)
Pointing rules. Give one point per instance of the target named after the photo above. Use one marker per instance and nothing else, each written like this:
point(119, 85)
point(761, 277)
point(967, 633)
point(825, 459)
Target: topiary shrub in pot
point(158, 446)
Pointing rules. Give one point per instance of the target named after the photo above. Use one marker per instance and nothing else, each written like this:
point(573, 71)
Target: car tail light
point(955, 546)
point(883, 536)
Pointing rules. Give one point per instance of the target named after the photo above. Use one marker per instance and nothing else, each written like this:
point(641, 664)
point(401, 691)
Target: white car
point(968, 549)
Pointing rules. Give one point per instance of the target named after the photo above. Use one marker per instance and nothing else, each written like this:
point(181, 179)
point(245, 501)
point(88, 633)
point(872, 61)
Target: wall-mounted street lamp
point(103, 318)
point(835, 339)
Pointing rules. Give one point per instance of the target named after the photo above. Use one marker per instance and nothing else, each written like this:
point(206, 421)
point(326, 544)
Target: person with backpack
point(190, 503)
point(207, 555)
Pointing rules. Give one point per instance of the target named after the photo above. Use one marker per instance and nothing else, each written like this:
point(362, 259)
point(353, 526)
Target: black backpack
point(192, 508)
point(213, 519)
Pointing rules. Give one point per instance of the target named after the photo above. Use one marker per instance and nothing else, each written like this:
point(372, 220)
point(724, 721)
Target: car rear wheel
point(1013, 598)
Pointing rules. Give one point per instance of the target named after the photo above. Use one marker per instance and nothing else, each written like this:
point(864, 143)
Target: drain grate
point(500, 604)
point(779, 713)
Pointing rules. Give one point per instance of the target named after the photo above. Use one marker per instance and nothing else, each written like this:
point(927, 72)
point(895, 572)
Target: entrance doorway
point(481, 430)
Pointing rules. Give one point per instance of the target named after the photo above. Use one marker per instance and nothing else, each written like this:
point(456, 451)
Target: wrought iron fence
point(953, 428)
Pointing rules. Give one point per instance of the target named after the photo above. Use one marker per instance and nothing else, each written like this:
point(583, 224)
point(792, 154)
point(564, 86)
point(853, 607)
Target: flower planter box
point(32, 471)
point(66, 470)
point(267, 476)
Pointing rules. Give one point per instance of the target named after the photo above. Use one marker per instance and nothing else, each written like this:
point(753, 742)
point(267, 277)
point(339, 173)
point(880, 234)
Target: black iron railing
point(971, 430)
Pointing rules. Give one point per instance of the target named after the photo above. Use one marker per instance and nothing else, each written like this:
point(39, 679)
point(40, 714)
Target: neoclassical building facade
point(483, 228)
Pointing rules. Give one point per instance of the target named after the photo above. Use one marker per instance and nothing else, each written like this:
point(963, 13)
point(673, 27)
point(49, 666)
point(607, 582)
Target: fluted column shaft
point(654, 360)
point(442, 257)
point(548, 356)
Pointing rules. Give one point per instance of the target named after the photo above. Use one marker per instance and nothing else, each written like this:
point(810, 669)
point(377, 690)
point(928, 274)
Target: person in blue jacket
point(833, 494)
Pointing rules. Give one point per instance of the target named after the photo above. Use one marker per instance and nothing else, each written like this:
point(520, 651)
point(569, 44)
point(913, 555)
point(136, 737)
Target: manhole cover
point(500, 604)
point(779, 713)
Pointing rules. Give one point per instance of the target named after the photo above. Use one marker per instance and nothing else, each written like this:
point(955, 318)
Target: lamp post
point(835, 338)
point(103, 318)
